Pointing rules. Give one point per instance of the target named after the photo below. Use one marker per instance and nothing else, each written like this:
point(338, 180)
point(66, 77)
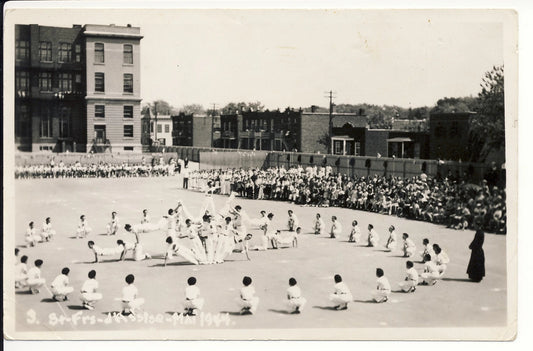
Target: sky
point(293, 57)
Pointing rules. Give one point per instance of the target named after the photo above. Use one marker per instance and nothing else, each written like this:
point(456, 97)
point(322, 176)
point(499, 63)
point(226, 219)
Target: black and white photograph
point(260, 174)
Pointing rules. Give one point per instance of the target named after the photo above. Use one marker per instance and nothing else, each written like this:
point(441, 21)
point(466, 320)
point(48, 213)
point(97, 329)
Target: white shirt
point(430, 267)
point(412, 274)
point(60, 281)
point(192, 292)
point(247, 292)
point(341, 289)
point(442, 258)
point(47, 227)
point(336, 227)
point(409, 243)
point(89, 286)
point(21, 269)
point(129, 293)
point(294, 292)
point(383, 283)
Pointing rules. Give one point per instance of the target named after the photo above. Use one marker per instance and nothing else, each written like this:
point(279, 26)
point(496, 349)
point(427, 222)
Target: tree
point(487, 127)
point(161, 107)
point(196, 109)
point(455, 105)
point(233, 107)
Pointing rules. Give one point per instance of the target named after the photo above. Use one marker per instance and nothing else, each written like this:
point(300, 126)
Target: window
point(128, 54)
point(159, 128)
point(99, 82)
point(22, 81)
point(65, 81)
point(65, 52)
point(99, 134)
point(45, 51)
point(22, 121)
point(128, 131)
point(128, 83)
point(167, 128)
point(45, 81)
point(77, 82)
point(99, 111)
point(128, 148)
point(357, 148)
point(46, 122)
point(64, 122)
point(99, 53)
point(128, 111)
point(77, 52)
point(151, 127)
point(338, 147)
point(22, 50)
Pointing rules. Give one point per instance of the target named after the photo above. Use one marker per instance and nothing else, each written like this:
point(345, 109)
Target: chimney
point(314, 108)
point(128, 25)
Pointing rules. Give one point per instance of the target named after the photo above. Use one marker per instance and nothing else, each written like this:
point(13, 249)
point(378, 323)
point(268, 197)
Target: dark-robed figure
point(476, 266)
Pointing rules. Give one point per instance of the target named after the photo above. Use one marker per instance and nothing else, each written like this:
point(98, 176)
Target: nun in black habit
point(476, 266)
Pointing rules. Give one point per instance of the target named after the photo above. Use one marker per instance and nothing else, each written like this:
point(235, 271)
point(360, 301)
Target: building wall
point(313, 127)
point(449, 136)
point(202, 131)
point(376, 142)
point(114, 98)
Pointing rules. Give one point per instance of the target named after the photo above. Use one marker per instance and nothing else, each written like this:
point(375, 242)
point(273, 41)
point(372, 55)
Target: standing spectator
point(476, 266)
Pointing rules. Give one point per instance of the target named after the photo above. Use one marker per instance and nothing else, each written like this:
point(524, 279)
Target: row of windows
point(99, 82)
point(100, 132)
point(45, 128)
point(99, 53)
point(22, 52)
point(99, 111)
point(48, 80)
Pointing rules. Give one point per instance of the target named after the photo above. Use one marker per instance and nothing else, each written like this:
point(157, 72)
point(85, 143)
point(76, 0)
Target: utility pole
point(213, 123)
point(330, 130)
point(155, 126)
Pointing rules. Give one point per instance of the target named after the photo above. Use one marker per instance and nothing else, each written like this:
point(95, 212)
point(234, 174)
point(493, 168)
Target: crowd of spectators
point(158, 168)
point(446, 200)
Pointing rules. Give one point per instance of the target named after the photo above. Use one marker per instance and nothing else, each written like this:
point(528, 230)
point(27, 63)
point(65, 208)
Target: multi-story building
point(77, 89)
point(156, 128)
point(199, 130)
point(449, 136)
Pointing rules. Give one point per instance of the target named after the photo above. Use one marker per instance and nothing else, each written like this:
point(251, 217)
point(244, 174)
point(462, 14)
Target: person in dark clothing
point(476, 266)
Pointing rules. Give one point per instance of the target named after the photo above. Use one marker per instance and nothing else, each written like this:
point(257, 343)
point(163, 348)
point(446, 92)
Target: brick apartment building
point(77, 89)
point(449, 135)
point(195, 130)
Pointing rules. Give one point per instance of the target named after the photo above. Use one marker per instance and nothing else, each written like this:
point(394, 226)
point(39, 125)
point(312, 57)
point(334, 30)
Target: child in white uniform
point(373, 237)
point(292, 222)
point(47, 233)
point(392, 241)
point(35, 281)
point(193, 301)
point(342, 295)
point(319, 225)
point(112, 226)
point(409, 246)
point(248, 301)
point(138, 251)
point(195, 243)
point(441, 259)
point(336, 228)
point(411, 279)
point(383, 289)
point(175, 248)
point(431, 272)
point(355, 233)
point(89, 294)
point(83, 228)
point(294, 295)
point(130, 302)
point(60, 286)
point(32, 238)
point(21, 272)
point(428, 249)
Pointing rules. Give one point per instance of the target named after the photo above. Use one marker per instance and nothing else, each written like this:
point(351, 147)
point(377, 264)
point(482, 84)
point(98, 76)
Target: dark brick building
point(449, 136)
point(190, 130)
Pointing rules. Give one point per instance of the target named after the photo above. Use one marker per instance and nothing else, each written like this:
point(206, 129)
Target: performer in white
point(409, 247)
point(294, 295)
point(355, 233)
point(383, 288)
point(108, 251)
point(342, 294)
point(146, 225)
point(47, 233)
point(130, 302)
point(112, 226)
point(83, 228)
point(21, 272)
point(441, 260)
point(319, 225)
point(175, 248)
point(60, 286)
point(32, 238)
point(193, 302)
point(226, 241)
point(288, 239)
point(336, 228)
point(35, 281)
point(428, 250)
point(89, 294)
point(209, 237)
point(248, 301)
point(411, 279)
point(431, 272)
point(195, 244)
point(392, 241)
point(292, 221)
point(269, 234)
point(373, 236)
point(138, 250)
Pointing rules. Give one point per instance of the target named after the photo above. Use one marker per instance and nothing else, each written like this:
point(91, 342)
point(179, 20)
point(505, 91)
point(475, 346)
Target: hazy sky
point(292, 57)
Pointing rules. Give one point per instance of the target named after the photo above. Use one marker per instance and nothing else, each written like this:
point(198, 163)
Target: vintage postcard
point(260, 174)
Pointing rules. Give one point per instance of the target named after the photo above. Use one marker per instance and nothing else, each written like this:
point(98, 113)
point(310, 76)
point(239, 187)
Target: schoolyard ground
point(452, 302)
